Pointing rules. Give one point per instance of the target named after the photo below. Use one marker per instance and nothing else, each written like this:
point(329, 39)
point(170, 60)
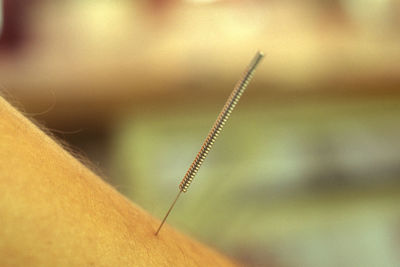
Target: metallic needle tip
point(168, 212)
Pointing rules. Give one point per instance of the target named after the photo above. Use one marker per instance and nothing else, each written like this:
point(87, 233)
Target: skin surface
point(55, 212)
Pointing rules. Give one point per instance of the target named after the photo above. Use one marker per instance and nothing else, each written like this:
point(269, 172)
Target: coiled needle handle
point(223, 116)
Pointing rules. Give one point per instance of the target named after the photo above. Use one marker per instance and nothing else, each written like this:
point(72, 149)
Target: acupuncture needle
point(223, 116)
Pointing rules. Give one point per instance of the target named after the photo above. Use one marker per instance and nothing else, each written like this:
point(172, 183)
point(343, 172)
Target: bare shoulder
point(55, 212)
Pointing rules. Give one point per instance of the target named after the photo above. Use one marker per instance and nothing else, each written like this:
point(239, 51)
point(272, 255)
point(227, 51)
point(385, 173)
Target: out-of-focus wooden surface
point(89, 60)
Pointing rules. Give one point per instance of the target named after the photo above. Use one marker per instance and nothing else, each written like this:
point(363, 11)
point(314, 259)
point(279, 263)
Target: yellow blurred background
point(306, 172)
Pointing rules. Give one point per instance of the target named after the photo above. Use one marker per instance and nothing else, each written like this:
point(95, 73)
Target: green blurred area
point(313, 183)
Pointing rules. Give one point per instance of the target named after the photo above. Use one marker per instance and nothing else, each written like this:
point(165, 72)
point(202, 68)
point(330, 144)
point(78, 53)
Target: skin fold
point(56, 212)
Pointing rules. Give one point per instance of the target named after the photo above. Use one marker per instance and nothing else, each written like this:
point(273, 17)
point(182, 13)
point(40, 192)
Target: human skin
point(55, 212)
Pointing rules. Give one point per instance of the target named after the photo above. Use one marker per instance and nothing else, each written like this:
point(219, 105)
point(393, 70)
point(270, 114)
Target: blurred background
point(307, 171)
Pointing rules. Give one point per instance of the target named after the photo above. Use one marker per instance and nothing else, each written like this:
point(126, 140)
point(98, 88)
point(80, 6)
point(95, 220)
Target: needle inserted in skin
point(169, 210)
point(215, 130)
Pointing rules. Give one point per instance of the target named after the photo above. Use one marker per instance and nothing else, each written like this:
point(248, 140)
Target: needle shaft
point(168, 212)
